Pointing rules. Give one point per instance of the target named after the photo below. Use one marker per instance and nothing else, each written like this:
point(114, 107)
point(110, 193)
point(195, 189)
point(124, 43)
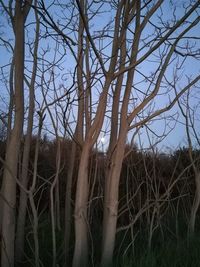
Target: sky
point(174, 139)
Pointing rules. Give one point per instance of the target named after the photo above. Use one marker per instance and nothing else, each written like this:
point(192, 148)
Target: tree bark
point(195, 205)
point(9, 183)
point(111, 204)
point(12, 151)
point(68, 211)
point(21, 219)
point(81, 224)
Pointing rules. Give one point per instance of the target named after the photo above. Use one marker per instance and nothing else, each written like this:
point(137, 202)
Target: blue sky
point(191, 67)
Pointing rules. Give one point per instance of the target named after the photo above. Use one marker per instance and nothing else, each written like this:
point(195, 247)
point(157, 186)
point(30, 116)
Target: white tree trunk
point(111, 204)
point(9, 183)
point(8, 189)
point(21, 219)
point(68, 215)
point(81, 224)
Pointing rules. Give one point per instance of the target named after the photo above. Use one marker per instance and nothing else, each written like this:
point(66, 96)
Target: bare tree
point(127, 117)
point(189, 113)
point(118, 78)
point(21, 219)
point(18, 17)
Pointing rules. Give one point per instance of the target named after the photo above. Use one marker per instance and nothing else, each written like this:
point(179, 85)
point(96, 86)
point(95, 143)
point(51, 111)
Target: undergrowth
point(170, 250)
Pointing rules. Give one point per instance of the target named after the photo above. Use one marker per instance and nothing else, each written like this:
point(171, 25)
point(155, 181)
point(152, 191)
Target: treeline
point(155, 198)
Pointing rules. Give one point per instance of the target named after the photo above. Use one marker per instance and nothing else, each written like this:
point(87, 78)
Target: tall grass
point(172, 253)
point(168, 250)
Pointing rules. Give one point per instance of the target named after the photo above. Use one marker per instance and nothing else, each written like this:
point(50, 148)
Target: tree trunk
point(9, 183)
point(80, 258)
point(53, 202)
point(23, 195)
point(111, 207)
point(8, 189)
point(68, 203)
point(195, 205)
point(9, 124)
point(21, 219)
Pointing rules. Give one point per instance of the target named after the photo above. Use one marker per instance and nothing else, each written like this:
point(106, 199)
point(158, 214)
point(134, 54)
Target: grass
point(170, 254)
point(173, 251)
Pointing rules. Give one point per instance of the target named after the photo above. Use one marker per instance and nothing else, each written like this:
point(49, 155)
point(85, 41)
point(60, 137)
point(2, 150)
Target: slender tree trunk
point(57, 206)
point(195, 205)
point(9, 124)
point(11, 104)
point(31, 193)
point(9, 183)
point(53, 202)
point(111, 205)
point(81, 224)
point(23, 195)
point(21, 219)
point(196, 201)
point(68, 214)
point(12, 151)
